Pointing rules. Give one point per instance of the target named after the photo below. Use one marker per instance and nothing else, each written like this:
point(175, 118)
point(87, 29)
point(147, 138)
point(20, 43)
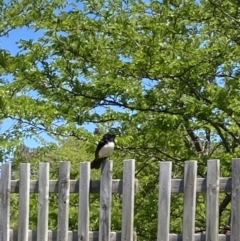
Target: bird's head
point(109, 136)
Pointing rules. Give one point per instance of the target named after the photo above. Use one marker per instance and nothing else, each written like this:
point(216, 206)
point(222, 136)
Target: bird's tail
point(96, 163)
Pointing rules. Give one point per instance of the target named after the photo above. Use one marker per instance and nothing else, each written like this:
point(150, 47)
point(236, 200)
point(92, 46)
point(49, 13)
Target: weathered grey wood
point(63, 201)
point(225, 185)
point(105, 202)
point(83, 212)
point(74, 186)
point(5, 186)
point(72, 236)
point(23, 218)
point(128, 200)
point(164, 200)
point(103, 165)
point(114, 236)
point(43, 201)
point(235, 210)
point(190, 175)
point(198, 237)
point(213, 169)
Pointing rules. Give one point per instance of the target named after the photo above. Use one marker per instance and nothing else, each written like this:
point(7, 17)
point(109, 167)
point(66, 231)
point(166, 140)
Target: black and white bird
point(104, 150)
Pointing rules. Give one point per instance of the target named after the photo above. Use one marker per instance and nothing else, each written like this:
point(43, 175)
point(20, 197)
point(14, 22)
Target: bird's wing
point(99, 146)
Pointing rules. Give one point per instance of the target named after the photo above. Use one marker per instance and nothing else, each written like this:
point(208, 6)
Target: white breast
point(107, 150)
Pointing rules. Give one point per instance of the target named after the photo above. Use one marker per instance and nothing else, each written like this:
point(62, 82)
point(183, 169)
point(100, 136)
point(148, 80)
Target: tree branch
point(195, 139)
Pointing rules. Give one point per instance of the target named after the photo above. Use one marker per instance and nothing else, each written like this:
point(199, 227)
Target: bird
point(104, 150)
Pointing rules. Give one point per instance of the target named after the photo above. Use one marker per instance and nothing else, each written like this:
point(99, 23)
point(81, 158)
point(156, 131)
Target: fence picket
point(235, 211)
point(43, 199)
point(213, 169)
point(83, 214)
point(105, 202)
point(63, 200)
point(5, 186)
point(190, 175)
point(23, 218)
point(164, 201)
point(128, 200)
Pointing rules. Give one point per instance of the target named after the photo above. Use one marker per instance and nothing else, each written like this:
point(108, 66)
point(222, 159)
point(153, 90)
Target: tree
point(166, 74)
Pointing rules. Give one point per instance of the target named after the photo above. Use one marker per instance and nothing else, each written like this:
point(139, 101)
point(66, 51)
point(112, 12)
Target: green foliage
point(165, 73)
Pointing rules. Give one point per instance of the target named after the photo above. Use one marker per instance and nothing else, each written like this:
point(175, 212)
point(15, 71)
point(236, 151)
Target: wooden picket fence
point(190, 185)
point(64, 186)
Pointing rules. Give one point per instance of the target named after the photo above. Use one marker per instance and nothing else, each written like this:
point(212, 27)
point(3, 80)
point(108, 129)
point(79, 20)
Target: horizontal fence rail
point(225, 185)
point(199, 237)
point(72, 236)
point(117, 186)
